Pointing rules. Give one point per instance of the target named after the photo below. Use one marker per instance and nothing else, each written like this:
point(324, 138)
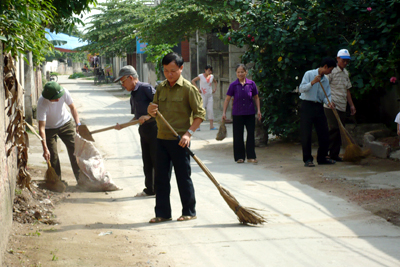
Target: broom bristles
point(245, 215)
point(354, 153)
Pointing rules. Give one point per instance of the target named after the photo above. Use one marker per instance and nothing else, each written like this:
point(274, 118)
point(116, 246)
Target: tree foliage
point(286, 39)
point(22, 26)
point(112, 32)
point(64, 19)
point(23, 22)
point(174, 20)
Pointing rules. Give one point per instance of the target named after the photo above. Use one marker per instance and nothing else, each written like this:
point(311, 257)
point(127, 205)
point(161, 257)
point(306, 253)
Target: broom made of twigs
point(245, 215)
point(353, 152)
point(52, 181)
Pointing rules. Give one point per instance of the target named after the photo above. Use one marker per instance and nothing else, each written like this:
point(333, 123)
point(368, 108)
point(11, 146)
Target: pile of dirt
point(35, 205)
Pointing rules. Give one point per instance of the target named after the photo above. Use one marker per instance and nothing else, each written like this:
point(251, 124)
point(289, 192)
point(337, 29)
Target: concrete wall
point(8, 170)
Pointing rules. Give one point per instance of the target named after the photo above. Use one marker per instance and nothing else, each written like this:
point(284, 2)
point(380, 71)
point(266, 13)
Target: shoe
point(327, 162)
point(213, 129)
point(143, 194)
point(240, 161)
point(309, 163)
point(186, 218)
point(255, 161)
point(159, 219)
point(338, 159)
point(198, 129)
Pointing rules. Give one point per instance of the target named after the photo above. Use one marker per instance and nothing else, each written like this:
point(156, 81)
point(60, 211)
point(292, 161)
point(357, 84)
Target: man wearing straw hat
point(182, 106)
point(340, 84)
point(55, 122)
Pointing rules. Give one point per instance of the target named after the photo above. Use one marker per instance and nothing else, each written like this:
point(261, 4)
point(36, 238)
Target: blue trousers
point(169, 154)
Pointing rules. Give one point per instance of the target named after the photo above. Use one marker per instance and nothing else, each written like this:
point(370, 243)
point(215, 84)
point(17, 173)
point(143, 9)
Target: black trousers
point(148, 141)
point(67, 134)
point(312, 113)
point(239, 149)
point(170, 153)
point(335, 140)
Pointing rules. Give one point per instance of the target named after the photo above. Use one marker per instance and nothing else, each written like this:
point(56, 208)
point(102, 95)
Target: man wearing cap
point(340, 89)
point(141, 96)
point(55, 121)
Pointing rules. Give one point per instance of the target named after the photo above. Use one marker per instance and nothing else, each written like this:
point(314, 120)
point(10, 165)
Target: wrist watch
point(190, 132)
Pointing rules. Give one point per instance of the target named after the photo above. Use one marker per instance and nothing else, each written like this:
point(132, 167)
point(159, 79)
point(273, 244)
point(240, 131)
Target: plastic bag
point(222, 133)
point(92, 176)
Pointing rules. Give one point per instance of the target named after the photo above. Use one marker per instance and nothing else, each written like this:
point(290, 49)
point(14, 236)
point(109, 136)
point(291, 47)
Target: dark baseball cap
point(125, 71)
point(52, 90)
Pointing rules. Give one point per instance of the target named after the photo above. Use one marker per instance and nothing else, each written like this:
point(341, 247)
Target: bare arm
point(226, 103)
point(257, 101)
point(74, 113)
point(194, 82)
point(215, 84)
point(350, 101)
point(42, 133)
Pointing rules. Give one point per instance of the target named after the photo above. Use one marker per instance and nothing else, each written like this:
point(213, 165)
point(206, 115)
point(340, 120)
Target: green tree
point(21, 26)
point(112, 32)
point(285, 39)
point(174, 20)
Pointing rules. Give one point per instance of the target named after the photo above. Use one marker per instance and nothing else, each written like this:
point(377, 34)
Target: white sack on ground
point(93, 175)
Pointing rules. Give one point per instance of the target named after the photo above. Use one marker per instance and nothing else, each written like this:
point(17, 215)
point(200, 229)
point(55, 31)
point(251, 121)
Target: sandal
point(309, 163)
point(159, 219)
point(186, 218)
point(255, 161)
point(327, 161)
point(240, 161)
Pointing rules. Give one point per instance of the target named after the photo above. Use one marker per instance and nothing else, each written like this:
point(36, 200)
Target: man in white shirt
point(55, 121)
point(340, 85)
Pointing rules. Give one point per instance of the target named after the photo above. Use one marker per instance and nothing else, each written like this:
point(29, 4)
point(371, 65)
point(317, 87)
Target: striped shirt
point(340, 82)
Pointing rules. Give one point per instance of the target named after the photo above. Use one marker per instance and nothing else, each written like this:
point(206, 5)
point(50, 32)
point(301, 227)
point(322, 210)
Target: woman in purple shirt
point(245, 102)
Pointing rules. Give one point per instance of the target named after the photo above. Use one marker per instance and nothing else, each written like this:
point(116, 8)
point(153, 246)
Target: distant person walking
point(141, 96)
point(340, 84)
point(55, 122)
point(208, 86)
point(245, 104)
point(312, 112)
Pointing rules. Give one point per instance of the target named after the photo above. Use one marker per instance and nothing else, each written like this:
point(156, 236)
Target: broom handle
point(123, 125)
point(34, 131)
point(334, 109)
point(199, 162)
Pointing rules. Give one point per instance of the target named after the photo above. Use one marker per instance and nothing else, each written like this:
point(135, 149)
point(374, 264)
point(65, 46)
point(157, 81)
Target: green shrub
point(76, 75)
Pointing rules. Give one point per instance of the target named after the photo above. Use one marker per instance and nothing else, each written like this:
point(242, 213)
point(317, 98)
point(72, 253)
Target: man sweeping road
point(181, 104)
point(55, 121)
point(141, 96)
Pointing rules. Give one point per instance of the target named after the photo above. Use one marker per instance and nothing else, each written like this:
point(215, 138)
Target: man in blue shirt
point(312, 112)
point(141, 96)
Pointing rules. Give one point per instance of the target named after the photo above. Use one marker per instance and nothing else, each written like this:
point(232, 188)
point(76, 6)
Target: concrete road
point(305, 226)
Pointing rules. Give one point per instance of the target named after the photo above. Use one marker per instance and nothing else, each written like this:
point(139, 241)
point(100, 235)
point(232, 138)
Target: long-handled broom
point(353, 152)
point(245, 215)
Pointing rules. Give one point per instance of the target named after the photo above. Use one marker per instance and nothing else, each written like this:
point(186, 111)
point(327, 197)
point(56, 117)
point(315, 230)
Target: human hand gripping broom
point(353, 152)
point(245, 215)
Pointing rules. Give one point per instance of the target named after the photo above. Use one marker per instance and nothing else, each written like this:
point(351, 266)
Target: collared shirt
point(314, 92)
point(141, 97)
point(243, 103)
point(339, 82)
point(179, 105)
